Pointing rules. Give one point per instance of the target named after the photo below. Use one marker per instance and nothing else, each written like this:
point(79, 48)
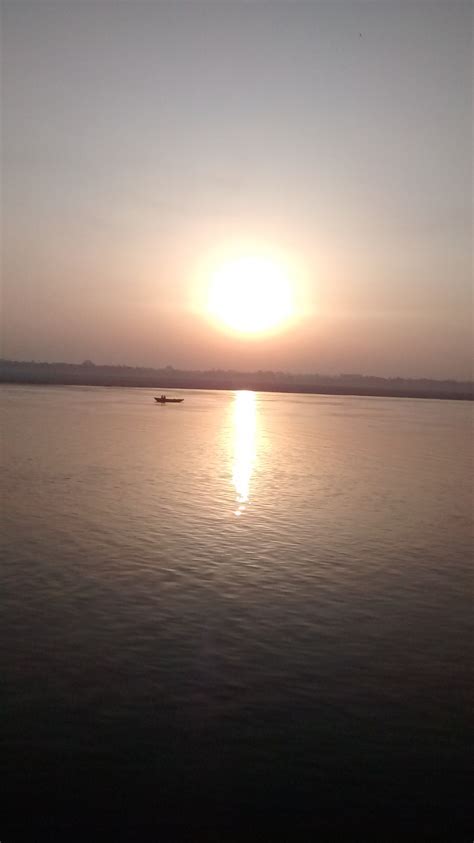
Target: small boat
point(164, 400)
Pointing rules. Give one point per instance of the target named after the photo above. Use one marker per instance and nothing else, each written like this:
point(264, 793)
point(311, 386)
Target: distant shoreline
point(89, 374)
point(282, 390)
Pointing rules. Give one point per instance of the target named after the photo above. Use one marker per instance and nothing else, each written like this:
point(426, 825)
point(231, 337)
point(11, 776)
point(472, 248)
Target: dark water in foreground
point(241, 617)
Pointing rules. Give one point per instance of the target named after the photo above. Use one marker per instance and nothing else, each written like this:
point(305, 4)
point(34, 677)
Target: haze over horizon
point(89, 364)
point(145, 143)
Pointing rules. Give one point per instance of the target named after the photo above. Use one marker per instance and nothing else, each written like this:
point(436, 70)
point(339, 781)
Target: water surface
point(243, 611)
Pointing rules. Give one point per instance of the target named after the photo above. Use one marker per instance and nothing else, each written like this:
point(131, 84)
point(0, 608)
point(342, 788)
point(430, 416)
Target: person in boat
point(163, 397)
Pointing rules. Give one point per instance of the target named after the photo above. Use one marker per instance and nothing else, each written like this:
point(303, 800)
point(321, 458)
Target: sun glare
point(245, 423)
point(250, 295)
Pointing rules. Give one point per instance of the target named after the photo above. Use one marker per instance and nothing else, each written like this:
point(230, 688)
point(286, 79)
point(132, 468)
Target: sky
point(146, 143)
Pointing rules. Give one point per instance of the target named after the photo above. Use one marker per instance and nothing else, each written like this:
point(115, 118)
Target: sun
point(251, 295)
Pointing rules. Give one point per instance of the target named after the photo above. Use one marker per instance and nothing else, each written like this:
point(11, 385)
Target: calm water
point(243, 612)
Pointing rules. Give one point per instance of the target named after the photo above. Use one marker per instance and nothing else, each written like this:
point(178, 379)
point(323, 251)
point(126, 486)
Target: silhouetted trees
point(92, 374)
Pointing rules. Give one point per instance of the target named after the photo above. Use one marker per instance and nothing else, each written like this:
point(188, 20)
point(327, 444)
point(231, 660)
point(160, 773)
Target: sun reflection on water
point(245, 423)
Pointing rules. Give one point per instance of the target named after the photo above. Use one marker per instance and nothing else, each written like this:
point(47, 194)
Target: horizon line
point(87, 363)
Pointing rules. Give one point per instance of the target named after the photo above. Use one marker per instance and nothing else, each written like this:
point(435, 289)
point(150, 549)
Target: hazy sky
point(143, 139)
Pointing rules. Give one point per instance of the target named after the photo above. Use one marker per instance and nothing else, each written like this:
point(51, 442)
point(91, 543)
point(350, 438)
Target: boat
point(164, 400)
